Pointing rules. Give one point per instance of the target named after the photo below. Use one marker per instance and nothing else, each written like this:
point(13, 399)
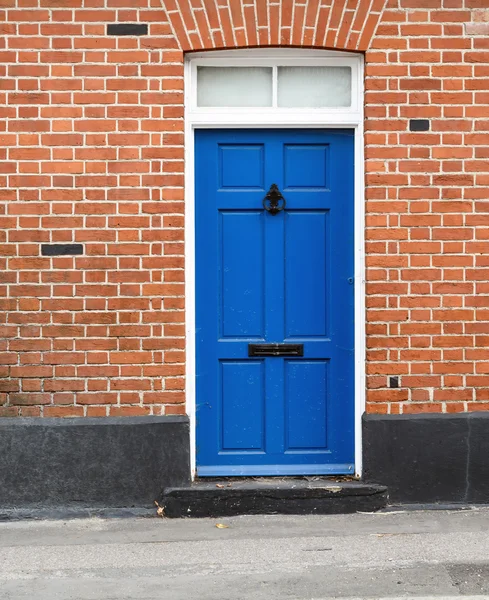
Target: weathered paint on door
point(283, 278)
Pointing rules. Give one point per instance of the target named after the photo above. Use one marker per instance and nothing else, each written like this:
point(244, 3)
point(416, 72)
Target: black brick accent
point(419, 125)
point(127, 29)
point(61, 249)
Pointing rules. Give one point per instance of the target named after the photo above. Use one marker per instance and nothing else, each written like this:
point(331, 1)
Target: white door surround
point(250, 117)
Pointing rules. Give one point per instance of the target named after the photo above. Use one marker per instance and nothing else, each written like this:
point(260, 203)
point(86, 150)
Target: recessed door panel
point(306, 166)
point(306, 400)
point(306, 287)
point(241, 166)
point(242, 273)
point(242, 396)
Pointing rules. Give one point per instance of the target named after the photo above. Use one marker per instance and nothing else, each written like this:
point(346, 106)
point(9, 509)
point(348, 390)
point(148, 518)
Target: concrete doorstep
point(265, 496)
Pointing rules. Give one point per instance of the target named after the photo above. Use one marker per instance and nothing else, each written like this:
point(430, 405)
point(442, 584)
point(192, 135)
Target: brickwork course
point(92, 152)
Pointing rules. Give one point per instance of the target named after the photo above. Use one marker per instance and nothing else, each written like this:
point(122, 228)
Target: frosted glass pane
point(234, 86)
point(314, 87)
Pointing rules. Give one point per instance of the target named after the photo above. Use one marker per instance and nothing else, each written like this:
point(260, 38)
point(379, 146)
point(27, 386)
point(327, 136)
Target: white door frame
point(266, 118)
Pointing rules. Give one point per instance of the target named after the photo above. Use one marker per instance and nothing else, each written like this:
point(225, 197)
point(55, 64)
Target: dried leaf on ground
point(160, 510)
point(222, 526)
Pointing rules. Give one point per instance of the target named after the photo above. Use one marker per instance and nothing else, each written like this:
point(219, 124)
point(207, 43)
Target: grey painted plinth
point(109, 462)
point(429, 458)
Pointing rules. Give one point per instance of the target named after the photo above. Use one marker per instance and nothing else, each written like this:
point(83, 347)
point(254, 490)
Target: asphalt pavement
point(390, 555)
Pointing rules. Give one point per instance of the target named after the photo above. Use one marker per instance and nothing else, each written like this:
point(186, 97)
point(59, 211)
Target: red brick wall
point(91, 150)
point(427, 205)
point(208, 24)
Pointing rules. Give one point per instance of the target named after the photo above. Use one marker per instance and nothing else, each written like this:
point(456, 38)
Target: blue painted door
point(283, 278)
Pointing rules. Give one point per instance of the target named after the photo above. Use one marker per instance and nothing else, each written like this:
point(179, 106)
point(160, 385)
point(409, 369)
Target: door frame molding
point(269, 118)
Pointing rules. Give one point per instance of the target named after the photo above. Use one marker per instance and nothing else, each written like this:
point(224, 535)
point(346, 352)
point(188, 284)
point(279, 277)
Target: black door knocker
point(271, 202)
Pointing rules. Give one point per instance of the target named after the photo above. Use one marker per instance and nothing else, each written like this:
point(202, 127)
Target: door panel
point(241, 166)
point(306, 256)
point(305, 166)
point(242, 273)
point(243, 405)
point(264, 278)
point(306, 399)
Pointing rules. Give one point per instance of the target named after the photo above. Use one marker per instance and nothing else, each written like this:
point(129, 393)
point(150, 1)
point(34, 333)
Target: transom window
point(286, 86)
point(274, 86)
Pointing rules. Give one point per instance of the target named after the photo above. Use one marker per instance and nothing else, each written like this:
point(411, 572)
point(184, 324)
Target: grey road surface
point(424, 554)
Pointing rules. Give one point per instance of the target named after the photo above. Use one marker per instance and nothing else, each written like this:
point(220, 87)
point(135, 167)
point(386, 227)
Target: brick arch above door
point(213, 24)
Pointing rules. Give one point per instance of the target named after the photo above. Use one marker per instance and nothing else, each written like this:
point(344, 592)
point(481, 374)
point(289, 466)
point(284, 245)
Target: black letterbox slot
point(275, 349)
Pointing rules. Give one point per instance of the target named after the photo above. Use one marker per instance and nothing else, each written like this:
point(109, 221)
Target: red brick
point(92, 151)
